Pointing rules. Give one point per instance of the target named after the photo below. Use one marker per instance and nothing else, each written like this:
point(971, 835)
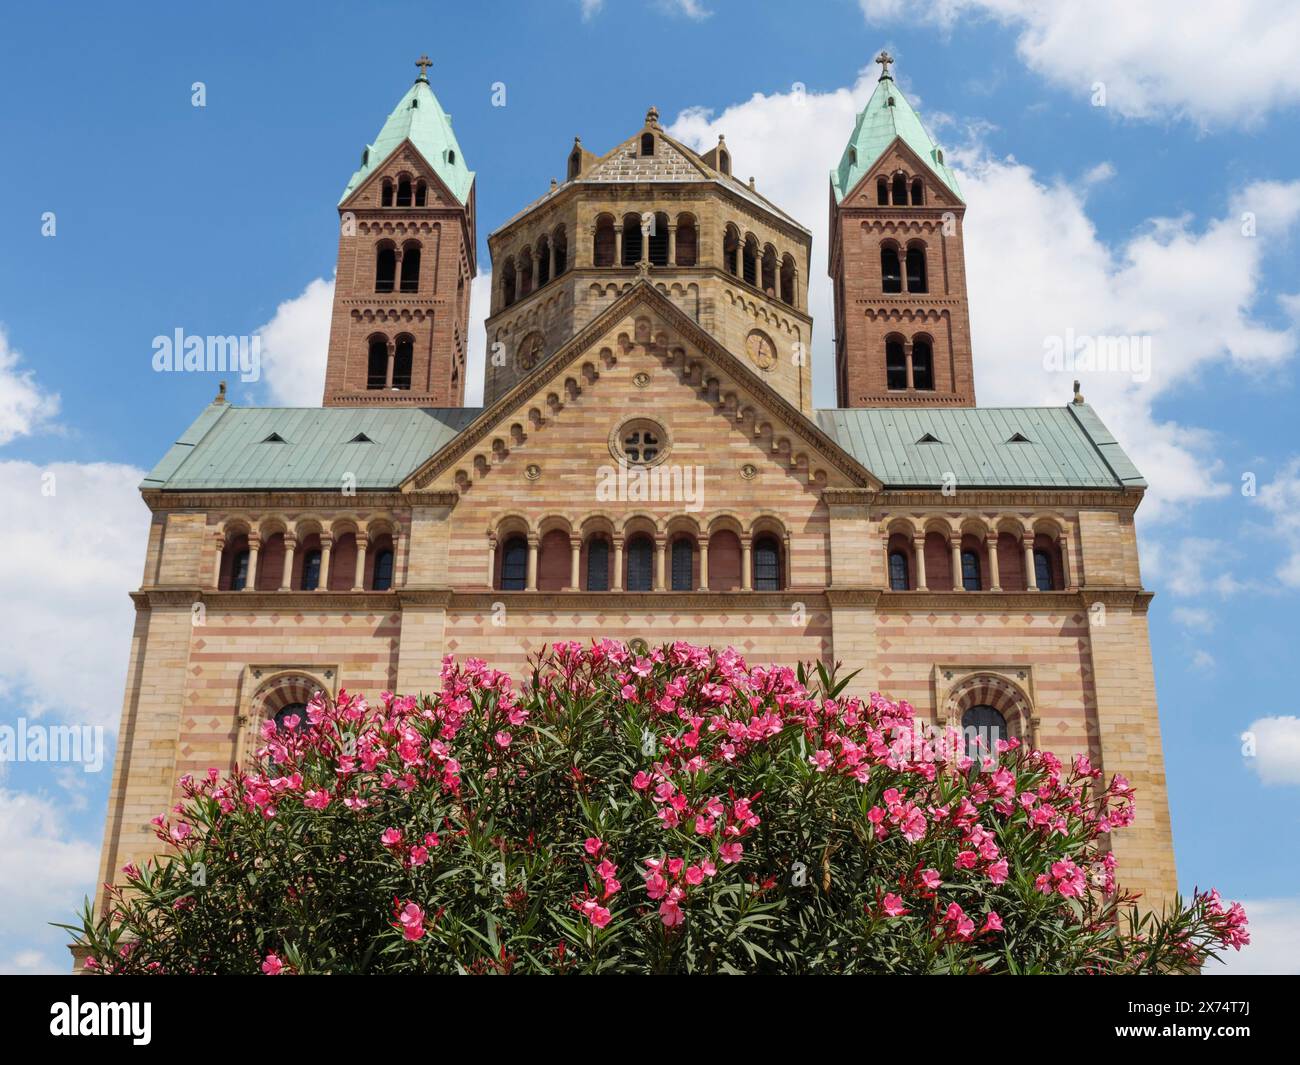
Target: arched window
point(404, 192)
point(598, 564)
point(411, 267)
point(386, 194)
point(311, 570)
point(422, 190)
point(659, 240)
point(767, 564)
point(769, 271)
point(982, 727)
point(647, 144)
point(560, 246)
point(731, 251)
point(918, 192)
point(898, 575)
point(525, 283)
point(1043, 570)
point(970, 571)
point(749, 260)
point(508, 283)
point(724, 162)
point(640, 563)
point(683, 564)
point(900, 190)
point(890, 274)
point(385, 268)
point(688, 241)
point(895, 366)
point(916, 280)
point(787, 280)
point(377, 363)
point(922, 365)
point(298, 710)
point(514, 565)
point(603, 249)
point(403, 362)
point(543, 261)
point(631, 239)
point(383, 580)
point(575, 164)
point(882, 191)
point(239, 570)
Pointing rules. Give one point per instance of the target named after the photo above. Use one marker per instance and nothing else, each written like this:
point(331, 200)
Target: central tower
point(400, 325)
point(902, 321)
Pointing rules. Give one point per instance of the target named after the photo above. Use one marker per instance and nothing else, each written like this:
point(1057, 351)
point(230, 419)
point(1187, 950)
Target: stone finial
point(885, 59)
point(1078, 396)
point(554, 183)
point(221, 393)
point(751, 181)
point(652, 117)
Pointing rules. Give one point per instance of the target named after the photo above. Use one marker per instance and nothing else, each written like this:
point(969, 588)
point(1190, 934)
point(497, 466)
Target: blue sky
point(1127, 218)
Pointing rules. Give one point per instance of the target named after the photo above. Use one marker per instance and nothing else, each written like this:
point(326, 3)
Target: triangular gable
point(626, 163)
point(942, 195)
point(477, 435)
point(428, 171)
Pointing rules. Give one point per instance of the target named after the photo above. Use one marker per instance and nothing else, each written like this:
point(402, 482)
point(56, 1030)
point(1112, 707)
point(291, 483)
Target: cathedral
point(647, 465)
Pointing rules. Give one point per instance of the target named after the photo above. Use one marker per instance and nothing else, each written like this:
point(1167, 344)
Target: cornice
point(160, 499)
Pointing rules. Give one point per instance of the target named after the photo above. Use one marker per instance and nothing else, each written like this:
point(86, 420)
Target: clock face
point(762, 351)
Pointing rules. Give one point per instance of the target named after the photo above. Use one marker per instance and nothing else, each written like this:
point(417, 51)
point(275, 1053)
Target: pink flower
point(656, 886)
point(998, 871)
point(316, 800)
point(670, 911)
point(272, 966)
point(992, 922)
point(893, 906)
point(930, 879)
point(181, 832)
point(504, 739)
point(419, 855)
point(731, 852)
point(592, 845)
point(411, 920)
point(823, 760)
point(641, 781)
point(599, 916)
point(391, 837)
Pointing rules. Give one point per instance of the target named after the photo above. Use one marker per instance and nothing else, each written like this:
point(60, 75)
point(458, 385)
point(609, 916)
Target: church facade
point(648, 464)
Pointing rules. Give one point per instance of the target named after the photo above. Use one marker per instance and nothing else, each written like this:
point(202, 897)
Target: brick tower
point(902, 322)
point(399, 330)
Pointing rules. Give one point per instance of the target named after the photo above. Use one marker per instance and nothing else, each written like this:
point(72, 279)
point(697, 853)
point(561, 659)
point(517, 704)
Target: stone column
point(326, 543)
point(661, 552)
point(617, 583)
point(492, 560)
point(787, 566)
point(1030, 583)
point(618, 243)
point(1063, 543)
point(399, 560)
point(392, 360)
point(220, 541)
point(551, 247)
point(746, 563)
point(958, 585)
point(359, 581)
point(532, 562)
point(918, 548)
point(907, 357)
point(575, 563)
point(254, 545)
point(672, 244)
point(290, 545)
point(704, 563)
point(995, 578)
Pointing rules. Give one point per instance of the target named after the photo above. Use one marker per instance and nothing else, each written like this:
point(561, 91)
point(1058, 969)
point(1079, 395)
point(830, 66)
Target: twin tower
point(656, 210)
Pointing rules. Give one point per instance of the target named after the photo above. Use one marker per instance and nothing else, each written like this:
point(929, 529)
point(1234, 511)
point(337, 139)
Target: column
point(290, 545)
point(672, 244)
point(575, 563)
point(399, 559)
point(995, 578)
point(617, 583)
point(746, 566)
point(392, 359)
point(907, 356)
point(553, 259)
point(618, 243)
point(661, 550)
point(216, 565)
point(787, 566)
point(1064, 544)
point(254, 544)
point(704, 563)
point(326, 543)
point(958, 585)
point(492, 560)
point(1030, 583)
point(918, 548)
point(532, 562)
point(359, 581)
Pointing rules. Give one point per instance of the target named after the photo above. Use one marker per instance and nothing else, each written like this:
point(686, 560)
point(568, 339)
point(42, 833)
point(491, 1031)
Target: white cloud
point(69, 561)
point(1202, 659)
point(44, 875)
point(1281, 498)
point(1210, 63)
point(1037, 268)
point(294, 343)
point(1277, 749)
point(692, 9)
point(24, 406)
point(591, 8)
point(1274, 948)
point(1194, 617)
point(480, 300)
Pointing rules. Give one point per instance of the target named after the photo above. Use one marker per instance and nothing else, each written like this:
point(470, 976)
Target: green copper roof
point(284, 448)
point(877, 126)
point(1063, 447)
point(419, 118)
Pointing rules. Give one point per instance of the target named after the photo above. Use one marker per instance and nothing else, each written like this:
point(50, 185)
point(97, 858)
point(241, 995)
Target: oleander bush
point(676, 811)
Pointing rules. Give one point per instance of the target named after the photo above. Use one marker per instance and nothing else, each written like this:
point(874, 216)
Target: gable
point(642, 324)
point(670, 162)
point(900, 155)
point(405, 158)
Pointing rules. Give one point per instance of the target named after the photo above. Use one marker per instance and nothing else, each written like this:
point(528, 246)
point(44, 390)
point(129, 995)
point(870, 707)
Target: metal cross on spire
point(424, 63)
point(884, 59)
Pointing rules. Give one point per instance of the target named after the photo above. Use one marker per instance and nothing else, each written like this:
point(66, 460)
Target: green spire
point(886, 116)
point(419, 118)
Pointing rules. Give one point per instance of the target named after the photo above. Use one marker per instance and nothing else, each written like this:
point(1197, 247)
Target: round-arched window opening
point(298, 710)
point(640, 442)
point(981, 727)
